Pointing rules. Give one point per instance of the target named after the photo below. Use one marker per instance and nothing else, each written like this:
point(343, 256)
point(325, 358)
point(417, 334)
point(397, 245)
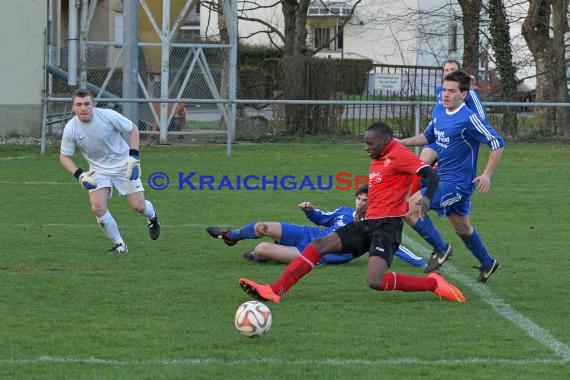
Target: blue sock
point(409, 257)
point(426, 229)
point(245, 232)
point(478, 249)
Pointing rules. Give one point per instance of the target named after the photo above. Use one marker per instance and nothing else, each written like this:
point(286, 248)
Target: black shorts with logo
point(379, 237)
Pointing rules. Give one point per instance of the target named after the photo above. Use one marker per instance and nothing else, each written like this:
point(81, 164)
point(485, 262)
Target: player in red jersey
point(392, 169)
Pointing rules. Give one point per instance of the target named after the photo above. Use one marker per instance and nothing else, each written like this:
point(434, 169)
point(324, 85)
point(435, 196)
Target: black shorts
point(379, 237)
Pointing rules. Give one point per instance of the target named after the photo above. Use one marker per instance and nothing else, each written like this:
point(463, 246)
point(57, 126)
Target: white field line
point(273, 361)
point(18, 158)
point(94, 225)
point(501, 307)
point(36, 183)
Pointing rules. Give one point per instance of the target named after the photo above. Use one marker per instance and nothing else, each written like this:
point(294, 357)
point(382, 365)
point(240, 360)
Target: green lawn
point(165, 310)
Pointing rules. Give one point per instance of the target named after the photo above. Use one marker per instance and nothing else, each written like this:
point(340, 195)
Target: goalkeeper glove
point(133, 165)
point(85, 180)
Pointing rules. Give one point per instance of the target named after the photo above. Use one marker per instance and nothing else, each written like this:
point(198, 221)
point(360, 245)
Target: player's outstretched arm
point(417, 140)
point(85, 180)
point(484, 180)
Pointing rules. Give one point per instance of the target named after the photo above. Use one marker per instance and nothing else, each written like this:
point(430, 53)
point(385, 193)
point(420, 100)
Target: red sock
point(405, 283)
point(298, 268)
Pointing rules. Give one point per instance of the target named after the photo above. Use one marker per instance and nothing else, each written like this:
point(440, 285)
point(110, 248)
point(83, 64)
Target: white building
point(407, 32)
point(22, 26)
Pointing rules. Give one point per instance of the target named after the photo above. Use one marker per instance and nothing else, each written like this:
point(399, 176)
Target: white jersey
point(100, 141)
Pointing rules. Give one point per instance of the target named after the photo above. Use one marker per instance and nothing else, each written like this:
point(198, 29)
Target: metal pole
point(233, 27)
point(164, 70)
point(418, 115)
point(83, 45)
point(130, 59)
point(72, 43)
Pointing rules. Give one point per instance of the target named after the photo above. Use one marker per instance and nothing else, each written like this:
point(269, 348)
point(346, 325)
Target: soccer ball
point(253, 319)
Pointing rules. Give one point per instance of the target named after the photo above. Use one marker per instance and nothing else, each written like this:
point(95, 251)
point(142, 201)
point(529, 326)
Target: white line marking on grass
point(272, 361)
point(36, 183)
point(533, 330)
point(17, 158)
point(94, 225)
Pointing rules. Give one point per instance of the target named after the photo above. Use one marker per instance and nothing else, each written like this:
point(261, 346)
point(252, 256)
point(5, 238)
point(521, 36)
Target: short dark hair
point(81, 93)
point(382, 129)
point(460, 77)
point(451, 60)
point(362, 189)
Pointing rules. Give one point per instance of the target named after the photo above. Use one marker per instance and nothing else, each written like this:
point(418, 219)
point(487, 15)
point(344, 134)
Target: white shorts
point(117, 179)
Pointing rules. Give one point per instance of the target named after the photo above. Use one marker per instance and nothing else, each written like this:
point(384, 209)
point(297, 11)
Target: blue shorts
point(294, 235)
point(449, 199)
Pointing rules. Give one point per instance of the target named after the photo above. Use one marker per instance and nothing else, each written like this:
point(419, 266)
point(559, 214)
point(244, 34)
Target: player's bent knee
point(262, 249)
point(98, 210)
point(261, 229)
point(463, 231)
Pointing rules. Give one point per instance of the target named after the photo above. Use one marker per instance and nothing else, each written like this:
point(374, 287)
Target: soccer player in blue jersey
point(472, 101)
point(291, 239)
point(458, 132)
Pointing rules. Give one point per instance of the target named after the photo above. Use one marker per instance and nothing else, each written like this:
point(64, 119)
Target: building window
point(453, 38)
point(322, 38)
point(339, 38)
point(194, 16)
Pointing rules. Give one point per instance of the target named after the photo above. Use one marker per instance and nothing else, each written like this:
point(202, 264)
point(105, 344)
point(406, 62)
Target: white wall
point(378, 31)
point(22, 26)
point(384, 31)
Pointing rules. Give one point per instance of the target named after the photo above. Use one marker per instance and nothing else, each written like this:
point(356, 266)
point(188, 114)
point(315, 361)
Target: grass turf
point(165, 310)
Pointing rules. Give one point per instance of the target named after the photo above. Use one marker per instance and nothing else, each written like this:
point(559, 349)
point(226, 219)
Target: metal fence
point(402, 96)
point(180, 83)
point(195, 72)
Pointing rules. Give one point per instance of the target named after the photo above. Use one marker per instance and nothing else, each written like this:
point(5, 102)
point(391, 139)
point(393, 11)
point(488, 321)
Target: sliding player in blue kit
point(458, 132)
point(291, 239)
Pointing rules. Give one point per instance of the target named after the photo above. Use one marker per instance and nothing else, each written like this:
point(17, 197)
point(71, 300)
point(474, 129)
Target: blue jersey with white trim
point(472, 101)
point(458, 135)
point(333, 220)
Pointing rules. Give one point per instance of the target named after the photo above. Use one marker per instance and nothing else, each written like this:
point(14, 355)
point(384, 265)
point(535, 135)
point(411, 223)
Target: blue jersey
point(472, 101)
point(333, 220)
point(458, 135)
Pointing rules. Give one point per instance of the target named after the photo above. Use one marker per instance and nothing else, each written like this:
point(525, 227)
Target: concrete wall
point(22, 27)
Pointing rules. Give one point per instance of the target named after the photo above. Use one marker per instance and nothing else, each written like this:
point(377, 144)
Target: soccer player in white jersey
point(458, 132)
point(98, 133)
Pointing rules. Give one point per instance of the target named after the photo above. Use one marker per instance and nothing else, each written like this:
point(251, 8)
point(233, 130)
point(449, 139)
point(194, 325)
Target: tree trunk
point(501, 43)
point(294, 61)
point(471, 10)
point(535, 30)
point(560, 28)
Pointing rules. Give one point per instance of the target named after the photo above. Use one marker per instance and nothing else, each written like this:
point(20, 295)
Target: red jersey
point(390, 179)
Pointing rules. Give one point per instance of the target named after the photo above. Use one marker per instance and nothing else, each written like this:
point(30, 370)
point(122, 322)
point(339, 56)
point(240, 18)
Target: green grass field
point(165, 310)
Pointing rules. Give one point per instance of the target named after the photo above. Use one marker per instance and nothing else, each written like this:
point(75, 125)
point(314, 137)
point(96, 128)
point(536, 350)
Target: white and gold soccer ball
point(253, 319)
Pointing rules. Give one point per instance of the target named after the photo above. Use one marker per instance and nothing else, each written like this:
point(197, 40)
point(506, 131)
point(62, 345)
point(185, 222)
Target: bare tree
point(543, 30)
